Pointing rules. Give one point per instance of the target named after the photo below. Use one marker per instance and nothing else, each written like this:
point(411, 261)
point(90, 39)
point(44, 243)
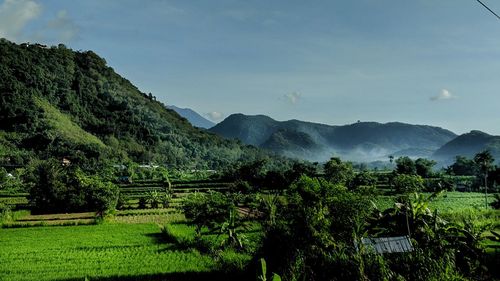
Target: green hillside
point(56, 102)
point(468, 145)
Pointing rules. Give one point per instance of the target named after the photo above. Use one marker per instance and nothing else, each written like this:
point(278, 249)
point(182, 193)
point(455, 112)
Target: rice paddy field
point(448, 202)
point(98, 252)
point(152, 244)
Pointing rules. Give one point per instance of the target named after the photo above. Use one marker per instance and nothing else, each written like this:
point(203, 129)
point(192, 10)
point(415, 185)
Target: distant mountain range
point(362, 141)
point(193, 117)
point(468, 145)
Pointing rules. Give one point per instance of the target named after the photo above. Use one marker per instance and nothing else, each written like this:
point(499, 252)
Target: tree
point(339, 172)
point(408, 183)
point(404, 165)
point(312, 237)
point(484, 161)
point(54, 188)
point(154, 199)
point(463, 166)
point(207, 209)
point(364, 178)
point(424, 167)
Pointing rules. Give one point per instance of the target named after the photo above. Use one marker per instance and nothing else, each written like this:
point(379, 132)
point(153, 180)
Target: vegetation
point(99, 181)
point(95, 252)
point(408, 183)
point(59, 103)
point(56, 189)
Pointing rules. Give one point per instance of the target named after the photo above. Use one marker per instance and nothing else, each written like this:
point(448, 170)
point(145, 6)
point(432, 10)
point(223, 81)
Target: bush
point(496, 204)
point(363, 179)
point(207, 209)
point(312, 236)
point(408, 183)
point(241, 186)
point(5, 213)
point(54, 188)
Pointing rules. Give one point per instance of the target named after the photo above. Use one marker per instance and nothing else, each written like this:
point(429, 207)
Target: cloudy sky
point(335, 62)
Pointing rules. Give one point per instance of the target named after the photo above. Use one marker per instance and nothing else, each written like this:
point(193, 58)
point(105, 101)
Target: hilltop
point(468, 145)
point(56, 102)
point(193, 117)
point(362, 141)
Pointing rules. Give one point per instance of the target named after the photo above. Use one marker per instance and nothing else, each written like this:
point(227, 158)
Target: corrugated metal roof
point(399, 244)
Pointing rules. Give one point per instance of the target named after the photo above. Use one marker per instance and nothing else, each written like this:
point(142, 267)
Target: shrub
point(363, 179)
point(54, 188)
point(241, 186)
point(312, 236)
point(5, 213)
point(207, 209)
point(496, 204)
point(408, 183)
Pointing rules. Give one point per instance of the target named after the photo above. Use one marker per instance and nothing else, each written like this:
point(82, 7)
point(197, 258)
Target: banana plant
point(233, 227)
point(263, 272)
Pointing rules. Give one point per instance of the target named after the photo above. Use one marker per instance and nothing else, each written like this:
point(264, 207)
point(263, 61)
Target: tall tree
point(463, 166)
point(484, 161)
point(424, 167)
point(339, 172)
point(404, 165)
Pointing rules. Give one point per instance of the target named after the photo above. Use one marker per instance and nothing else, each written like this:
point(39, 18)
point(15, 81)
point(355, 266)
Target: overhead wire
point(487, 8)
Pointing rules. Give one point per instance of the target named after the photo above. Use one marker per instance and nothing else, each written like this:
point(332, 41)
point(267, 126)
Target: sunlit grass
point(107, 250)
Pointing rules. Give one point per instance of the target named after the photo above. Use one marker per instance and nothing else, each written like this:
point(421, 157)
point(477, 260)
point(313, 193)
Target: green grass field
point(130, 245)
point(106, 250)
point(449, 202)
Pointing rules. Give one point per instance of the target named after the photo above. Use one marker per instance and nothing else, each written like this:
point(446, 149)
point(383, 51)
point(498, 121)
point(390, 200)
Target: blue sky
point(334, 62)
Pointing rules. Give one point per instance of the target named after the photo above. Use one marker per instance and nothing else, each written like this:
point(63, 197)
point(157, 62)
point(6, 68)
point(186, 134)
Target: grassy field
point(131, 244)
point(449, 202)
point(106, 251)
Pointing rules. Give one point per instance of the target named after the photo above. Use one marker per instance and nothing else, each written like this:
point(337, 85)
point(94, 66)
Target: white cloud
point(15, 15)
point(292, 98)
point(60, 29)
point(443, 95)
point(215, 115)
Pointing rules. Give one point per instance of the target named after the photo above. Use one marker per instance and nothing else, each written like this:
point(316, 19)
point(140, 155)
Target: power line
point(491, 11)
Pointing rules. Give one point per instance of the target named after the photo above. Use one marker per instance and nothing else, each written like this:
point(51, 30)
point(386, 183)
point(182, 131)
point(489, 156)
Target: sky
point(334, 62)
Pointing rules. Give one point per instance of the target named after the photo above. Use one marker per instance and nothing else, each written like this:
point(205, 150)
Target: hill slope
point(56, 102)
point(362, 141)
point(468, 145)
point(193, 117)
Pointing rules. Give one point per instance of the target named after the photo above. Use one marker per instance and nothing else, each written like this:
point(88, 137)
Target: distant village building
point(148, 166)
point(65, 162)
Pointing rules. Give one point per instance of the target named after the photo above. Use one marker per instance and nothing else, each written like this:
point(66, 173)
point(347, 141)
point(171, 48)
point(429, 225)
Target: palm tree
point(484, 160)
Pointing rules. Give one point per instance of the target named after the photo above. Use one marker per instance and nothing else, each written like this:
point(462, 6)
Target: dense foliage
point(54, 188)
point(56, 102)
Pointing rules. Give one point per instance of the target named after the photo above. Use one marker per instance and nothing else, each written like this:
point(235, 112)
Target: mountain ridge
point(468, 145)
point(60, 103)
point(193, 117)
point(361, 141)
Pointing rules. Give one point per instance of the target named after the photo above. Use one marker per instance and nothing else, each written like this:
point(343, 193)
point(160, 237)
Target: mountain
point(55, 102)
point(362, 141)
point(193, 117)
point(468, 145)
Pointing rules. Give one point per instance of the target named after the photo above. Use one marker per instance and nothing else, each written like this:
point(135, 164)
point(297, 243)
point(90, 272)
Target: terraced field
point(103, 251)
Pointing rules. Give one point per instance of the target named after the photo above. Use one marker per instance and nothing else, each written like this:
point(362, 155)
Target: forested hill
point(362, 141)
point(56, 102)
point(468, 145)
